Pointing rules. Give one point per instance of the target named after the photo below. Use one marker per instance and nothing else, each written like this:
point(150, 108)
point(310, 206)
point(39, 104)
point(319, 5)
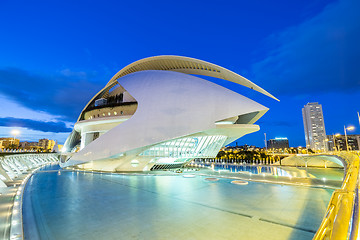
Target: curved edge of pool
point(16, 224)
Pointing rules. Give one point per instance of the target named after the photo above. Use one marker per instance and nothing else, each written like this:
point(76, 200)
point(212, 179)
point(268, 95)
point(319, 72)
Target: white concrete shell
point(184, 65)
point(173, 108)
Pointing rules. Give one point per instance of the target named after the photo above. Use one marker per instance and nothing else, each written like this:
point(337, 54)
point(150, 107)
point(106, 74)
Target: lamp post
point(334, 140)
point(325, 144)
point(346, 140)
point(15, 132)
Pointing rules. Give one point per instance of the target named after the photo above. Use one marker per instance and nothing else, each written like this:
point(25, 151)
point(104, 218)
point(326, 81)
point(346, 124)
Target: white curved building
point(153, 115)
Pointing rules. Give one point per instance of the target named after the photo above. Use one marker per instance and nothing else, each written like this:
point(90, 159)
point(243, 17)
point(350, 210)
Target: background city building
point(278, 143)
point(46, 144)
point(314, 126)
point(43, 145)
point(28, 145)
point(9, 142)
point(340, 142)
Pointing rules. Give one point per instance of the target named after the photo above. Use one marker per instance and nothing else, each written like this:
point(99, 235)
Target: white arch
point(183, 65)
point(189, 66)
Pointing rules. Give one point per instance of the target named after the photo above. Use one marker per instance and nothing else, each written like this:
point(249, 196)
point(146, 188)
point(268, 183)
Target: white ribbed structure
point(161, 117)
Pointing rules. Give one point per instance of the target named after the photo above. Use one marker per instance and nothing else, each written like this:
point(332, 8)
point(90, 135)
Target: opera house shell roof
point(154, 114)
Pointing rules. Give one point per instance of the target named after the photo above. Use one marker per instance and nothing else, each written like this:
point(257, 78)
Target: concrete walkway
point(6, 204)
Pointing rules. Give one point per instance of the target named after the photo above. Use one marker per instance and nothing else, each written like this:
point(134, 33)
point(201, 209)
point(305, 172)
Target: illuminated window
point(103, 114)
point(109, 113)
point(204, 146)
point(115, 113)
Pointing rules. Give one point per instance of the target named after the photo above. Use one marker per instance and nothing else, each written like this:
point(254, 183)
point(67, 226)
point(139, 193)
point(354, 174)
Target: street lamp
point(334, 140)
point(346, 140)
point(325, 144)
point(15, 132)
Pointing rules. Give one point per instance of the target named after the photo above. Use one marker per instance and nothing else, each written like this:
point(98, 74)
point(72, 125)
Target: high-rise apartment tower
point(314, 126)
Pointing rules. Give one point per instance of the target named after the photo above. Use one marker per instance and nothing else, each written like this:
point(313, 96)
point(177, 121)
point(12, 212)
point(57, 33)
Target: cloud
point(68, 73)
point(64, 94)
point(321, 54)
point(55, 127)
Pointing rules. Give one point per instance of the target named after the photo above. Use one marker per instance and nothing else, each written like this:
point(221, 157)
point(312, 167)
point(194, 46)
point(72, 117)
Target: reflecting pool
point(285, 171)
point(62, 204)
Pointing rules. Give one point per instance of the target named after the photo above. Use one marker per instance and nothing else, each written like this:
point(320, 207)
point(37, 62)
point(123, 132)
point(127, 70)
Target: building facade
point(29, 145)
point(338, 143)
point(9, 143)
point(314, 127)
point(278, 143)
point(46, 144)
point(154, 114)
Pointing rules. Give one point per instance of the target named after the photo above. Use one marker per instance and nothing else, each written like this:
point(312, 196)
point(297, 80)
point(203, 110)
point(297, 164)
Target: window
point(121, 112)
point(115, 113)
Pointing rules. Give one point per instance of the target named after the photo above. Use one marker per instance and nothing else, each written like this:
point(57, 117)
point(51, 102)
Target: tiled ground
point(6, 203)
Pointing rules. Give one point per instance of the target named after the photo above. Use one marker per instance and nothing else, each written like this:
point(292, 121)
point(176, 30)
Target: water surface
point(77, 205)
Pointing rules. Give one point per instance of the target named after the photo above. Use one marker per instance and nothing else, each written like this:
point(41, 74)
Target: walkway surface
point(83, 205)
point(6, 203)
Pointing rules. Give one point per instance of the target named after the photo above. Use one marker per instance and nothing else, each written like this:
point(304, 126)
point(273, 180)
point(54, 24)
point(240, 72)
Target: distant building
point(314, 126)
point(278, 143)
point(46, 144)
point(9, 142)
point(340, 142)
point(28, 145)
point(242, 148)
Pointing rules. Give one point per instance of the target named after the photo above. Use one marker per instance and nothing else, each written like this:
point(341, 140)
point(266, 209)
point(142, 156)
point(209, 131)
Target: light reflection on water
point(283, 171)
point(114, 206)
point(253, 169)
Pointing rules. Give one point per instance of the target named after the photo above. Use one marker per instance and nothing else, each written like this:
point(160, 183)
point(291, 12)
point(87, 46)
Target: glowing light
point(189, 176)
point(15, 132)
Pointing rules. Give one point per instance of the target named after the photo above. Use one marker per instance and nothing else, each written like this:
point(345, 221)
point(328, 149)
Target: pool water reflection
point(327, 173)
point(61, 204)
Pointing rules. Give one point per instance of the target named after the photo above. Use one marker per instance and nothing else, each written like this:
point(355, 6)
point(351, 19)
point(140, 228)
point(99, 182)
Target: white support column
point(3, 172)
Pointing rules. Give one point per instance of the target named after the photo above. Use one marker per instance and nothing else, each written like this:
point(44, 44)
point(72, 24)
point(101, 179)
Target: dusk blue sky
point(55, 55)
